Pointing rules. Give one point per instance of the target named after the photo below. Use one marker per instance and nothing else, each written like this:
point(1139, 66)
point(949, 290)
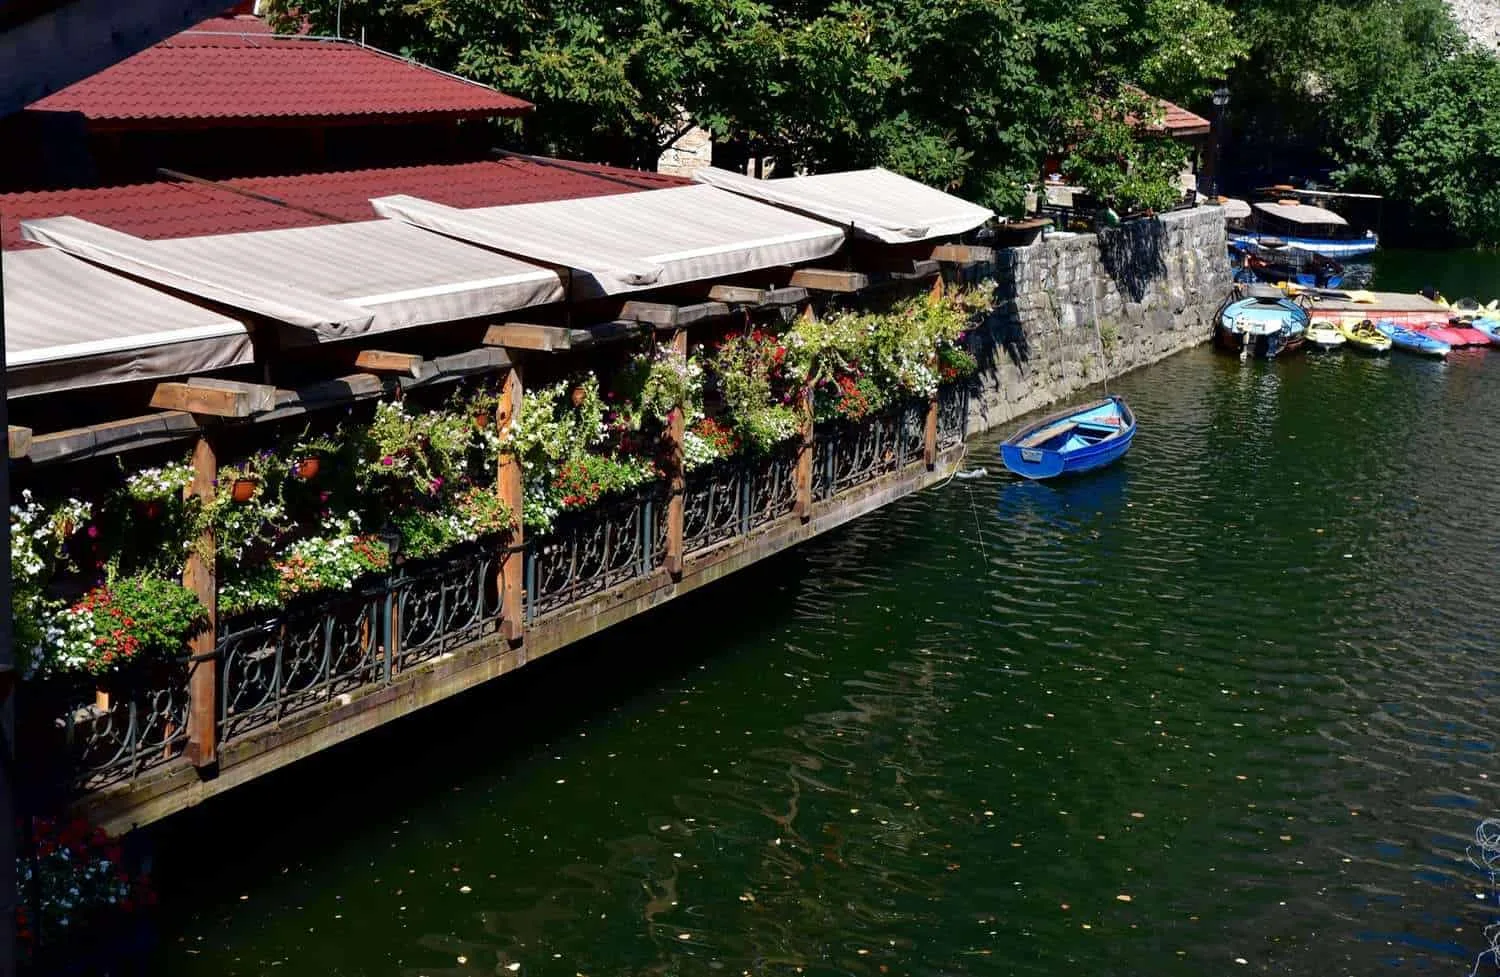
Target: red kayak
point(1471, 336)
point(1445, 334)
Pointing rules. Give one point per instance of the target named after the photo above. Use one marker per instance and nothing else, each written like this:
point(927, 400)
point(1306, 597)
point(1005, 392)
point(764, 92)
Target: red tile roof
point(173, 210)
point(248, 74)
point(1176, 121)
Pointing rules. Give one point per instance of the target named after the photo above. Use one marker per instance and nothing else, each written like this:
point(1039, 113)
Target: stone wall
point(1153, 284)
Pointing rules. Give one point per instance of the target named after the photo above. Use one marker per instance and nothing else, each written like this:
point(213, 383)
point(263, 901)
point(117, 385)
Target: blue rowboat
point(1071, 441)
point(1411, 340)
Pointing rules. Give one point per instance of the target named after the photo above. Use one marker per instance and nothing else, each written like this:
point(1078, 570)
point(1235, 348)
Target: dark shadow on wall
point(1133, 254)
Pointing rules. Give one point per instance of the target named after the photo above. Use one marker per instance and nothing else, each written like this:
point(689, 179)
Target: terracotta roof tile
point(174, 210)
point(247, 75)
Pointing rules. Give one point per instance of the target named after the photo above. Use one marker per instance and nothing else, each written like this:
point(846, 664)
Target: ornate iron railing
point(737, 495)
point(440, 604)
point(849, 454)
point(271, 666)
point(953, 415)
point(592, 550)
point(132, 727)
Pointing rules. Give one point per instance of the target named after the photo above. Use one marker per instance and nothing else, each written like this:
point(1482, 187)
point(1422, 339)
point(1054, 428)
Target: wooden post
point(508, 484)
point(804, 472)
point(200, 575)
point(676, 431)
point(930, 429)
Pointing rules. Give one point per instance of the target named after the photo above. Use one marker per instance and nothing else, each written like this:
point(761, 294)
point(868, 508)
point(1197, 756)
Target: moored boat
point(1411, 340)
point(1290, 222)
point(1325, 335)
point(1444, 334)
point(1364, 336)
point(1468, 334)
point(1261, 326)
point(1071, 441)
point(1490, 327)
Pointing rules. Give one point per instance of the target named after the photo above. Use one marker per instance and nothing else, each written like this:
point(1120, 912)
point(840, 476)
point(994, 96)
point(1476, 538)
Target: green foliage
point(1123, 166)
point(133, 620)
point(968, 94)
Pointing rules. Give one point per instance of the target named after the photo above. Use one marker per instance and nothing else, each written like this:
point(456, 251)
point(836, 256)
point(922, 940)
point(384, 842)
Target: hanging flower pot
point(308, 468)
point(149, 508)
point(481, 420)
point(243, 489)
point(578, 395)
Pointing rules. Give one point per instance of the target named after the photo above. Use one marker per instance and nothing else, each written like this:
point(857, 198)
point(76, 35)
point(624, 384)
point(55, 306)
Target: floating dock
point(1355, 306)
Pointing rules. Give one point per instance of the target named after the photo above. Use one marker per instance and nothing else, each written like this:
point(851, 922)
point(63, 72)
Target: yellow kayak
point(1364, 336)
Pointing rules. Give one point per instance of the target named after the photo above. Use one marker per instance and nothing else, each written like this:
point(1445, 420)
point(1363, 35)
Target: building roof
point(1176, 121)
point(172, 210)
point(236, 72)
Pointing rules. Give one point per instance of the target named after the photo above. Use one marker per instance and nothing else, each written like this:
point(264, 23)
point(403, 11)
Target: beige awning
point(631, 241)
point(196, 274)
point(875, 203)
point(1300, 213)
point(336, 281)
point(71, 325)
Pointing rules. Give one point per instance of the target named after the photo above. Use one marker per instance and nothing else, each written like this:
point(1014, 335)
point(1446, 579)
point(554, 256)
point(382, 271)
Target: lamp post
point(1221, 101)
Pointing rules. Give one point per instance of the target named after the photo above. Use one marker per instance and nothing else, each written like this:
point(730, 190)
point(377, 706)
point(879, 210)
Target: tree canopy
point(972, 95)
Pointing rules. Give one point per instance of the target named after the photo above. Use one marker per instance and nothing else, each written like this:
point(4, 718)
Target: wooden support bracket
point(962, 254)
point(214, 397)
point(398, 364)
point(930, 435)
point(522, 335)
point(828, 280)
point(665, 316)
point(745, 296)
point(20, 441)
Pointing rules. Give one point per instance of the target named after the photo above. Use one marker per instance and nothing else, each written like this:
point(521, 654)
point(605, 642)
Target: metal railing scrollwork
point(592, 550)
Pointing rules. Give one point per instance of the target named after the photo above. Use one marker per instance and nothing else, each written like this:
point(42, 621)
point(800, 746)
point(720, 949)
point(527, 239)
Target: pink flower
point(387, 460)
point(93, 532)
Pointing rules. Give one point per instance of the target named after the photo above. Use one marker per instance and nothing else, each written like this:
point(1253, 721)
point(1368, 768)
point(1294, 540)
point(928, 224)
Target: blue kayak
point(1490, 327)
point(1072, 441)
point(1411, 340)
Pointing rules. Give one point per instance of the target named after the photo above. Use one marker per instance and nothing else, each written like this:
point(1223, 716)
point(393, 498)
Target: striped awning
point(874, 203)
point(71, 325)
point(632, 241)
point(330, 282)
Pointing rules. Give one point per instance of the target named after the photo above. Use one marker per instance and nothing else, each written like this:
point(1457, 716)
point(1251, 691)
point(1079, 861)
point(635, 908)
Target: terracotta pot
point(578, 396)
point(243, 490)
point(308, 467)
point(102, 699)
point(68, 529)
point(481, 420)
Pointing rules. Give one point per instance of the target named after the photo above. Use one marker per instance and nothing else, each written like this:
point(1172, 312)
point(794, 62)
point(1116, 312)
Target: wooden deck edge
point(178, 786)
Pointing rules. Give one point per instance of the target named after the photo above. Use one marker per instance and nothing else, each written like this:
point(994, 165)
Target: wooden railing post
point(804, 470)
point(200, 575)
point(930, 429)
point(508, 484)
point(676, 431)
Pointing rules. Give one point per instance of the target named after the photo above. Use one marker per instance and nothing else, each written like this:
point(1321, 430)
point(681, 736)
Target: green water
point(1233, 700)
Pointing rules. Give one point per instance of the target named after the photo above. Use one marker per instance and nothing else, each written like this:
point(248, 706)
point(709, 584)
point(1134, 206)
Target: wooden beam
point(510, 486)
point(743, 295)
point(962, 254)
point(522, 335)
point(828, 280)
point(200, 575)
point(930, 434)
point(665, 316)
point(112, 436)
point(400, 364)
point(558, 339)
point(20, 441)
point(915, 270)
point(805, 444)
point(676, 469)
point(214, 397)
point(483, 360)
